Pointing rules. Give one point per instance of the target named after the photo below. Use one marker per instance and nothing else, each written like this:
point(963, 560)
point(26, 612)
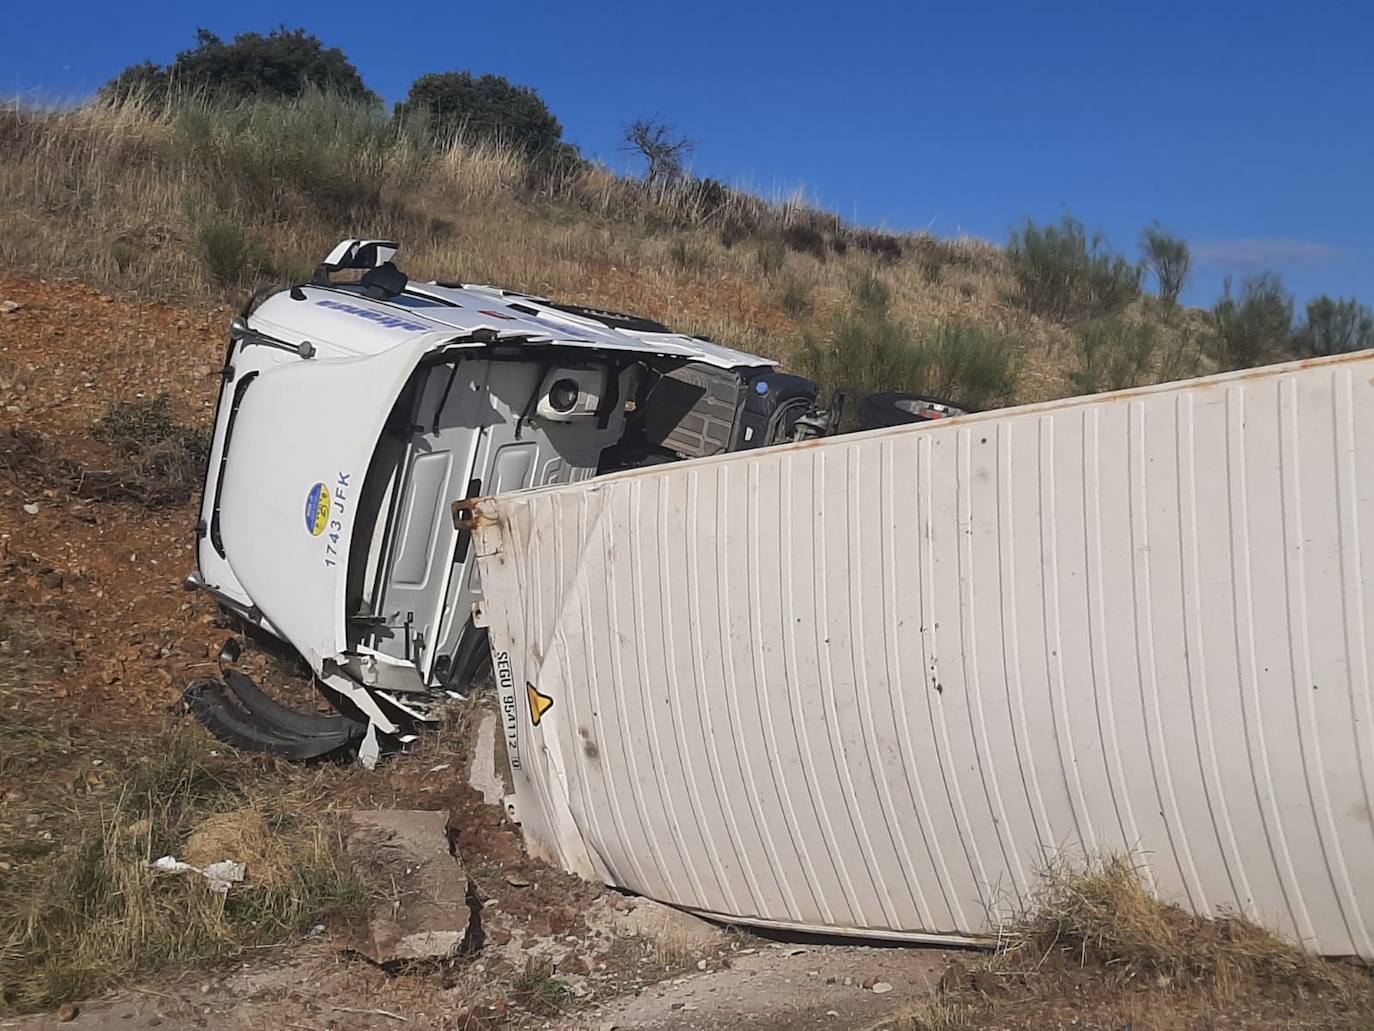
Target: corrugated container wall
point(875, 684)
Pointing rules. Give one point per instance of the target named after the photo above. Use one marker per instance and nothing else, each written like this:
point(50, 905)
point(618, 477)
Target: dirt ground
point(95, 587)
point(767, 986)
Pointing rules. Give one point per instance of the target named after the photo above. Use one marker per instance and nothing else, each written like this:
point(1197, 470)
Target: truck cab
point(360, 411)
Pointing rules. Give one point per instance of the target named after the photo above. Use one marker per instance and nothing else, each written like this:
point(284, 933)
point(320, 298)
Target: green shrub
point(935, 253)
point(1063, 274)
point(138, 82)
point(971, 364)
point(771, 255)
point(870, 290)
point(550, 170)
point(796, 299)
point(1179, 355)
point(488, 107)
point(124, 255)
point(868, 351)
point(1255, 328)
point(805, 239)
point(732, 231)
point(1114, 354)
point(861, 351)
point(229, 256)
point(711, 196)
point(1167, 256)
point(283, 63)
point(162, 460)
point(689, 255)
point(1336, 327)
point(881, 245)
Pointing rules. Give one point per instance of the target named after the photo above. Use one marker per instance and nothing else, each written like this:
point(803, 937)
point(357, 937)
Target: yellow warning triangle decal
point(539, 703)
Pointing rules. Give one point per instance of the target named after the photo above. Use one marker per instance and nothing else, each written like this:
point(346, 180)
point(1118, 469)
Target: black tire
point(784, 420)
point(882, 410)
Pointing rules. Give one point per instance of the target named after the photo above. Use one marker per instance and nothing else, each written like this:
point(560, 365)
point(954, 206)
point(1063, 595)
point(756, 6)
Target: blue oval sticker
point(317, 509)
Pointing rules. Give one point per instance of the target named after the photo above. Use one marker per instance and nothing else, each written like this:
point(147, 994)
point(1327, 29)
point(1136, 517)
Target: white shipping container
point(873, 684)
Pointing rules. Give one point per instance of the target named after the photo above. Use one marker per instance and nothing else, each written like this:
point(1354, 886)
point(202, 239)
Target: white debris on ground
point(221, 875)
point(369, 751)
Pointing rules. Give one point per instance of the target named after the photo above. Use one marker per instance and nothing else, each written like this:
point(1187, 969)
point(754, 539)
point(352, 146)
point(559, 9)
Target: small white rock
point(31, 509)
point(881, 988)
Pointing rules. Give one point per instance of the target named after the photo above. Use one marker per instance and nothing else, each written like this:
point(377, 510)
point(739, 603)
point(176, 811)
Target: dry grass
point(1096, 948)
point(82, 910)
point(1106, 915)
point(536, 990)
point(87, 801)
point(248, 836)
point(193, 199)
point(196, 200)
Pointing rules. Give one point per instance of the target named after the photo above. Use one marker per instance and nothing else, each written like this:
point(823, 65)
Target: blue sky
point(1248, 128)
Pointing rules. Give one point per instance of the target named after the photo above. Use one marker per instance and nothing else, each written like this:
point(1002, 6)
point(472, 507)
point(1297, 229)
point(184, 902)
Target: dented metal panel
point(873, 684)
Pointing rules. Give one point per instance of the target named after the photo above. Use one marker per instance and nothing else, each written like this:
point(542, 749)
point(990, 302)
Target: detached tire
point(879, 411)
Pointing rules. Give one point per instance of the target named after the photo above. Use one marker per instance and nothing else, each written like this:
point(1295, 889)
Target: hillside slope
point(198, 202)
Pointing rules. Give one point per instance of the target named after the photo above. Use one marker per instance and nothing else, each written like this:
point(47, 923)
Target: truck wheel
point(784, 420)
point(882, 410)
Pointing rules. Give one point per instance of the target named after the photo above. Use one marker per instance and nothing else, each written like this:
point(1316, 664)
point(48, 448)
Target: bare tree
point(660, 147)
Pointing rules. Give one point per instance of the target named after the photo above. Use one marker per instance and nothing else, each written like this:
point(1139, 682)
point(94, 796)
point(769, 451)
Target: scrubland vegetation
point(239, 163)
point(172, 195)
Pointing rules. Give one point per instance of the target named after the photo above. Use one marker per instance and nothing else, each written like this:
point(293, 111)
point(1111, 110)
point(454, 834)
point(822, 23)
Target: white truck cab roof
point(427, 316)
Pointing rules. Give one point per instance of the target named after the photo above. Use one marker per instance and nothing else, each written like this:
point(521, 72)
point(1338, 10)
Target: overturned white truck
point(358, 407)
point(874, 684)
point(864, 684)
